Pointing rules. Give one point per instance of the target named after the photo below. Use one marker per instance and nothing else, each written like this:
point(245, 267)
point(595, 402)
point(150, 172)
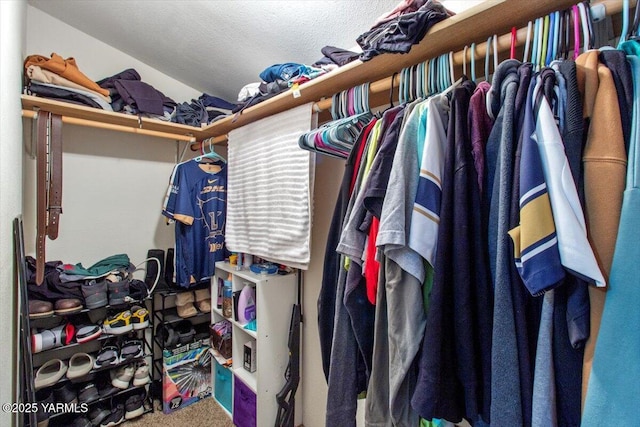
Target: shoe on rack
point(184, 304)
point(95, 293)
point(115, 417)
point(50, 373)
point(118, 324)
point(82, 421)
point(88, 393)
point(86, 333)
point(39, 309)
point(122, 376)
point(141, 376)
point(80, 365)
point(185, 332)
point(67, 306)
point(131, 349)
point(97, 414)
point(65, 393)
point(50, 338)
point(44, 399)
point(134, 406)
point(203, 300)
point(139, 317)
point(118, 287)
point(109, 355)
point(103, 382)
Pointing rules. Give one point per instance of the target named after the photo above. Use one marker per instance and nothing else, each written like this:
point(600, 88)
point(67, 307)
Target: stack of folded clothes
point(276, 79)
point(204, 110)
point(131, 95)
point(61, 79)
point(335, 57)
point(404, 26)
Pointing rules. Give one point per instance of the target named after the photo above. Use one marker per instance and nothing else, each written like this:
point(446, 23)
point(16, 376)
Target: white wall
point(113, 183)
point(329, 173)
point(12, 17)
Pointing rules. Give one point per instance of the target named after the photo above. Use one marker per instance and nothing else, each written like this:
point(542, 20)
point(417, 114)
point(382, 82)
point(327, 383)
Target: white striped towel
point(270, 189)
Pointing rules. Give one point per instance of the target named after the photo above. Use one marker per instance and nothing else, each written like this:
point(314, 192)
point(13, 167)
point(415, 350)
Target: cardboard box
point(250, 356)
point(186, 375)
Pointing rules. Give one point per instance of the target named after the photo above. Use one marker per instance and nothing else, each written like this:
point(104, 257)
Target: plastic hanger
point(576, 31)
point(423, 80)
point(527, 43)
point(545, 41)
point(556, 34)
point(473, 62)
point(584, 20)
point(636, 22)
point(534, 48)
point(625, 22)
point(514, 39)
point(393, 76)
point(495, 52)
point(549, 56)
point(589, 15)
point(443, 71)
point(211, 154)
point(539, 57)
point(486, 59)
point(452, 74)
point(464, 60)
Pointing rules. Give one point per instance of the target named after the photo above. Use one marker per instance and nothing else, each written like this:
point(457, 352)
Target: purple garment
point(405, 6)
point(480, 125)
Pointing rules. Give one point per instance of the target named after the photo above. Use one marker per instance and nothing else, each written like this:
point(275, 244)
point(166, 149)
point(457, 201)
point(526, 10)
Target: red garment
point(366, 131)
point(372, 266)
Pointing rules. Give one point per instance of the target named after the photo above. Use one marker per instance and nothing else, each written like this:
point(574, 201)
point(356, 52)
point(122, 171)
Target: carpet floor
point(205, 413)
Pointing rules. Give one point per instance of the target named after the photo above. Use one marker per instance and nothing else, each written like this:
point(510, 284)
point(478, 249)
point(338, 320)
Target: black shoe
point(134, 407)
point(81, 422)
point(65, 393)
point(44, 398)
point(98, 414)
point(88, 393)
point(115, 418)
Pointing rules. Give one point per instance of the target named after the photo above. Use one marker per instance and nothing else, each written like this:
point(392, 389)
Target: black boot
point(169, 268)
point(152, 269)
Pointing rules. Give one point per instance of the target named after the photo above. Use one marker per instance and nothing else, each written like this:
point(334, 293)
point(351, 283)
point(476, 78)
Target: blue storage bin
point(244, 405)
point(222, 388)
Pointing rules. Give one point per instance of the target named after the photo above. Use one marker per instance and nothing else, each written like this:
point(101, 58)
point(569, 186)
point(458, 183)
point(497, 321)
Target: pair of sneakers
point(136, 374)
point(126, 321)
point(190, 303)
point(112, 289)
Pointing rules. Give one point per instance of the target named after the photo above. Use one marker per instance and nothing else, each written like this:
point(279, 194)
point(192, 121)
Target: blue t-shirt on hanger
point(197, 201)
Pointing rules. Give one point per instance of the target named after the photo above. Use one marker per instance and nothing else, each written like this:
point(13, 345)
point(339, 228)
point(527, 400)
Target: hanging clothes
point(614, 383)
point(197, 202)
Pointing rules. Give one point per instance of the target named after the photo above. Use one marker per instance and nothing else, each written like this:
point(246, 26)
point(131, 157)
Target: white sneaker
point(120, 377)
point(141, 376)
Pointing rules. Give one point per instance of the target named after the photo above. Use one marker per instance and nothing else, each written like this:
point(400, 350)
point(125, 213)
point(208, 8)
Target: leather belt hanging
point(49, 184)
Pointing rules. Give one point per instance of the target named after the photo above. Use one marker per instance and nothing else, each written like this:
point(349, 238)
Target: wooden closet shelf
point(473, 25)
point(87, 116)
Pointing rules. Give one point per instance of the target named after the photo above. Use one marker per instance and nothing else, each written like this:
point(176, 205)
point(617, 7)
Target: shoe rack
point(111, 398)
point(168, 316)
point(249, 397)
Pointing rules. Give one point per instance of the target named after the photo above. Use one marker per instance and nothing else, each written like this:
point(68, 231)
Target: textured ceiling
point(218, 46)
